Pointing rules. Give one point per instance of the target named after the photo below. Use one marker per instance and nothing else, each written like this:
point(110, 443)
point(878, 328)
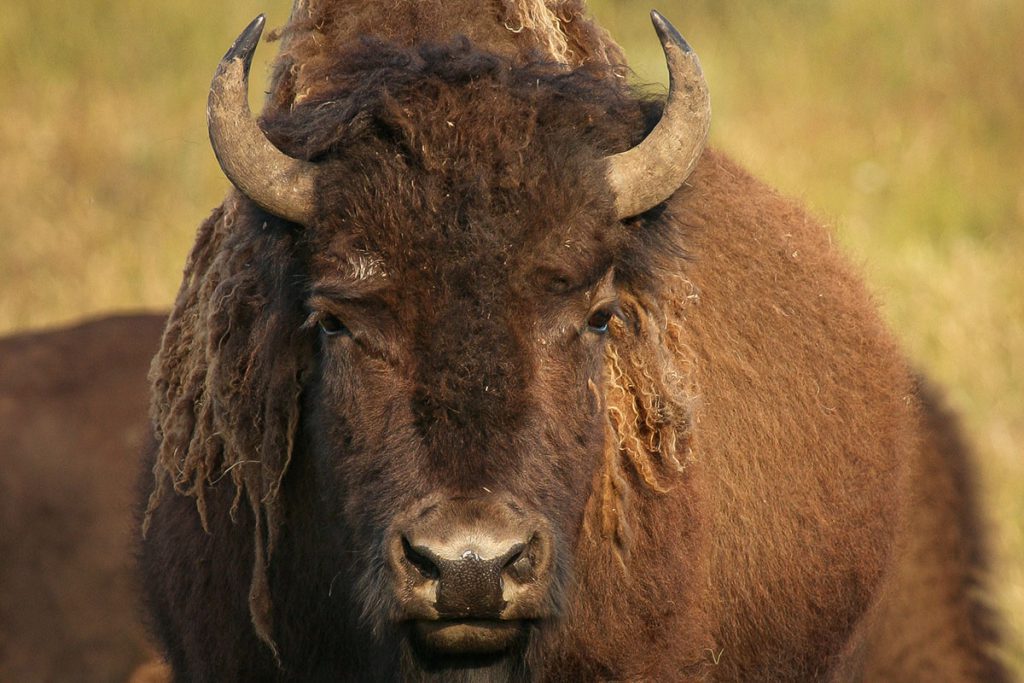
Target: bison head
point(396, 340)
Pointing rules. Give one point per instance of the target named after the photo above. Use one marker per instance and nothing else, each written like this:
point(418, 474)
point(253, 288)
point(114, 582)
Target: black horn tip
point(667, 32)
point(245, 44)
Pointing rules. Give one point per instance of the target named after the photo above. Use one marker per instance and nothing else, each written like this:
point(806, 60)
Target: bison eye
point(331, 326)
point(598, 320)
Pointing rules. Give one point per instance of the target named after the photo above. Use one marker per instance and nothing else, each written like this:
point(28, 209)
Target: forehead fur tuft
point(451, 148)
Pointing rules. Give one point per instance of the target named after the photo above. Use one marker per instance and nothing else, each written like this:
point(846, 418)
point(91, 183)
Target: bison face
point(455, 412)
point(464, 255)
point(457, 231)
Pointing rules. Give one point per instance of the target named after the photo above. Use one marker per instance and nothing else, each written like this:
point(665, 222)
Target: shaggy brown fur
point(726, 473)
point(559, 31)
point(73, 417)
point(201, 443)
point(934, 622)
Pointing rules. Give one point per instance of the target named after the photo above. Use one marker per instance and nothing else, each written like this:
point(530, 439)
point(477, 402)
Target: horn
point(648, 174)
point(277, 182)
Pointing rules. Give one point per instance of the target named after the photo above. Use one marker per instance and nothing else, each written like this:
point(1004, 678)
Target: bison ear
point(648, 174)
point(278, 183)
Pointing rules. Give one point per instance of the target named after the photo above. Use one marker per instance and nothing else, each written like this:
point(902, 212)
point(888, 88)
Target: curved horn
point(277, 182)
point(648, 174)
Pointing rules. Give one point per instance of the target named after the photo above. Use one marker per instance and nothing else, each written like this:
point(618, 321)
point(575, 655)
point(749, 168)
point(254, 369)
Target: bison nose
point(472, 559)
point(471, 577)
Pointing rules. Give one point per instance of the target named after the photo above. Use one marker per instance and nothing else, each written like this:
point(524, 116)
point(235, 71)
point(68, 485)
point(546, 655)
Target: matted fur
point(556, 31)
point(648, 398)
point(646, 423)
point(225, 394)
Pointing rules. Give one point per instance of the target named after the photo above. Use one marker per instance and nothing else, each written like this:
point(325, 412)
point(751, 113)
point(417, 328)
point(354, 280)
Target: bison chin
point(471, 650)
point(467, 636)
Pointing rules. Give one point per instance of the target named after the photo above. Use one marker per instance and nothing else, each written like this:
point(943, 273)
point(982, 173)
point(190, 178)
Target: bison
point(73, 419)
point(489, 370)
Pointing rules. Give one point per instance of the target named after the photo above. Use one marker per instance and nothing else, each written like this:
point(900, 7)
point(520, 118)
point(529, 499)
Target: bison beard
point(708, 489)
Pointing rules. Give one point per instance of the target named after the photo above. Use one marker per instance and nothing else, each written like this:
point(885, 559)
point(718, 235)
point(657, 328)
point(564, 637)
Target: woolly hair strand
point(648, 416)
point(228, 378)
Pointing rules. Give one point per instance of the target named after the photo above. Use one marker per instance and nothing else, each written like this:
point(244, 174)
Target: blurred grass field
point(900, 124)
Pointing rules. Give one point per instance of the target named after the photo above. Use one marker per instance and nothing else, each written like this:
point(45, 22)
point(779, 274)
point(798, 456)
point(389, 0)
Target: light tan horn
point(277, 182)
point(648, 174)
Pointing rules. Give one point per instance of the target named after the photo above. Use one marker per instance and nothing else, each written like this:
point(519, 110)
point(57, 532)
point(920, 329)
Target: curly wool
point(649, 405)
point(225, 397)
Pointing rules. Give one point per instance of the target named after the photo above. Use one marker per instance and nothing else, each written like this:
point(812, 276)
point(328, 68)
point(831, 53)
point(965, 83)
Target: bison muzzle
point(471, 573)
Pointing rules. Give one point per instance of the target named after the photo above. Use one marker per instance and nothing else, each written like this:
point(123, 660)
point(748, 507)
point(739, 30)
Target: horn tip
point(667, 33)
point(245, 45)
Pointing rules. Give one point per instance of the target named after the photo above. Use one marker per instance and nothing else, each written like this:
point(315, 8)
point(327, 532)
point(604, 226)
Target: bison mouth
point(477, 637)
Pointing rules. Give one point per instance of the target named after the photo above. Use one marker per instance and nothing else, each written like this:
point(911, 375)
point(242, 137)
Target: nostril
point(518, 564)
point(514, 554)
point(419, 558)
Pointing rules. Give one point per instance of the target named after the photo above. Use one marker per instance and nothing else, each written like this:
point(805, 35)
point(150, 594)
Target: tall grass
point(901, 124)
